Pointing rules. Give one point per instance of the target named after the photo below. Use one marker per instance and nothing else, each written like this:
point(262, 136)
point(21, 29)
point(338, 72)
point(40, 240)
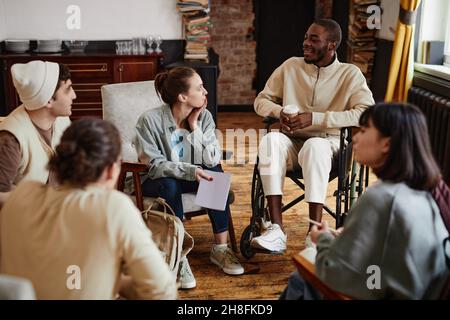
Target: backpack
point(168, 233)
point(441, 194)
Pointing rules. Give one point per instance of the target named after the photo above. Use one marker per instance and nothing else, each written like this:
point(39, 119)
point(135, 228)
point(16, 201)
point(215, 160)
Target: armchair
point(16, 288)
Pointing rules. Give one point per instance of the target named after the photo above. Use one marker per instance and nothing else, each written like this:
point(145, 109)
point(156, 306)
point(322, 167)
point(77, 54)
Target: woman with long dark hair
point(398, 227)
point(76, 240)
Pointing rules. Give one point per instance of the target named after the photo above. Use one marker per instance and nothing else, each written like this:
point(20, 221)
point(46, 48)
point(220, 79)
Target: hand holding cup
point(292, 119)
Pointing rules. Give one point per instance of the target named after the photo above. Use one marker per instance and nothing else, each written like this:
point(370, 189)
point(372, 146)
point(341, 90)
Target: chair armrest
point(136, 169)
point(308, 272)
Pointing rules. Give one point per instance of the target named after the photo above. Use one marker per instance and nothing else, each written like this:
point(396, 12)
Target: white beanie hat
point(35, 82)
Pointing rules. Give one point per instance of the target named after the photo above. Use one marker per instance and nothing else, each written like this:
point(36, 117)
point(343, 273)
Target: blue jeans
point(171, 189)
point(299, 289)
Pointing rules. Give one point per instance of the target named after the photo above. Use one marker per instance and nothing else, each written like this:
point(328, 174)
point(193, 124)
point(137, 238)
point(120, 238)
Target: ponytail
point(170, 84)
point(160, 79)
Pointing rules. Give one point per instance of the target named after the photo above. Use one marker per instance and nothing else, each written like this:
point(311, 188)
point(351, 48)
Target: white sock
point(220, 246)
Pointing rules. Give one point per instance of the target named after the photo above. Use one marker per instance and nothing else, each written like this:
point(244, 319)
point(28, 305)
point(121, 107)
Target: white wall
point(434, 20)
point(389, 19)
point(2, 21)
point(100, 19)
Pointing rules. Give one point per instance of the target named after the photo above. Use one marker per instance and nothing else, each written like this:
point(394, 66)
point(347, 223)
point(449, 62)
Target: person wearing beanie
point(29, 134)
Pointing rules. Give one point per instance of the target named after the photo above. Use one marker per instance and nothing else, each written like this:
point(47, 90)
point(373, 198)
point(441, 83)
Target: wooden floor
point(265, 275)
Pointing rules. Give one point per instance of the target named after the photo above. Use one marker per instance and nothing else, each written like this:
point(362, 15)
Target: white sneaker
point(225, 259)
point(186, 277)
point(273, 239)
point(308, 242)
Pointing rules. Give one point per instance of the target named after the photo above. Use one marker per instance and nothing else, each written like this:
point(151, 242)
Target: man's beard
point(320, 54)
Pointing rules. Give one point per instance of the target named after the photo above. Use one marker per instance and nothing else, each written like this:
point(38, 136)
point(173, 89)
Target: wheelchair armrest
point(270, 120)
point(308, 272)
point(226, 154)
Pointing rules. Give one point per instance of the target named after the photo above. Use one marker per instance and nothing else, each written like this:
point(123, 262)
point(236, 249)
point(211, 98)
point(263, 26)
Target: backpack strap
point(156, 205)
point(445, 294)
point(446, 244)
point(441, 194)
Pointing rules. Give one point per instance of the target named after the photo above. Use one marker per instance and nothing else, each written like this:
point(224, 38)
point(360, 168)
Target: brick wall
point(324, 9)
point(232, 39)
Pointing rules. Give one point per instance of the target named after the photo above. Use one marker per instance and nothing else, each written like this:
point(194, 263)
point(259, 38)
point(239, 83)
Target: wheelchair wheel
point(246, 238)
point(255, 185)
point(259, 201)
point(259, 217)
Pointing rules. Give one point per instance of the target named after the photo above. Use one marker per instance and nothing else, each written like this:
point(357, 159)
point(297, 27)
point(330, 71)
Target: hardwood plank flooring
point(265, 275)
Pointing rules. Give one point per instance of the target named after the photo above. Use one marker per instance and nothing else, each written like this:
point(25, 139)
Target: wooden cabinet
point(89, 74)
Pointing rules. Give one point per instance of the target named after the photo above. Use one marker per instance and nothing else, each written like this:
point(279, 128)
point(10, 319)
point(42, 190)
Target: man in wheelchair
point(329, 95)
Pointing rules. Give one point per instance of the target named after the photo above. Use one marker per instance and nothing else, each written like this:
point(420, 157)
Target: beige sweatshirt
point(55, 237)
point(336, 95)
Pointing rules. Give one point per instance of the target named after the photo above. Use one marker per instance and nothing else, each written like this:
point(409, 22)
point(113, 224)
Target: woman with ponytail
point(394, 244)
point(74, 241)
point(178, 141)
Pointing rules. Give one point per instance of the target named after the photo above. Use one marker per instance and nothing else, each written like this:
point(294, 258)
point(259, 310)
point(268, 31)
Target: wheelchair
point(352, 180)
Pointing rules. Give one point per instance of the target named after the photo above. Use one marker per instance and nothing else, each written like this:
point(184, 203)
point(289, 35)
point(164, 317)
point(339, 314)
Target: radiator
point(437, 111)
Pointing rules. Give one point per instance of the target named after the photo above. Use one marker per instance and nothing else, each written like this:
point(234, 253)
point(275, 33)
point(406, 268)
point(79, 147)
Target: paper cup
point(291, 109)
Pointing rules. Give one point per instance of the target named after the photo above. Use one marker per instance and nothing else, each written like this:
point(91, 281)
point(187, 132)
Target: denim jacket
point(172, 152)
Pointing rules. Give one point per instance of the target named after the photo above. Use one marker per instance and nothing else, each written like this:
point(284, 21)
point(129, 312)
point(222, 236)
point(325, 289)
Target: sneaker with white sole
point(186, 277)
point(273, 239)
point(225, 259)
point(308, 241)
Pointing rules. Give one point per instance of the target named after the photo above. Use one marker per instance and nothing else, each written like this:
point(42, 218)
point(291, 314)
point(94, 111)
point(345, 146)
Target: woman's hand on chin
point(193, 117)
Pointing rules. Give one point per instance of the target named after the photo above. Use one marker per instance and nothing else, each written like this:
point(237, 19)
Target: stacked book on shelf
point(196, 27)
point(361, 39)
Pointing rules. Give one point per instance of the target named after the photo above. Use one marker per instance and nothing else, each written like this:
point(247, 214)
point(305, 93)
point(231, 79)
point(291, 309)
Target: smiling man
point(329, 95)
point(29, 134)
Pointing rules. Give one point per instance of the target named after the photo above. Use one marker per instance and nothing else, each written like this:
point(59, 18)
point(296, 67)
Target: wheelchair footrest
point(265, 251)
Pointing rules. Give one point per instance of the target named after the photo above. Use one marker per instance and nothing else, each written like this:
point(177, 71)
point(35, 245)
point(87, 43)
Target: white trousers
point(279, 153)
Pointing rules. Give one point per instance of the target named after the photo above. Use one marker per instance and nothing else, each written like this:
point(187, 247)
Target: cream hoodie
point(336, 95)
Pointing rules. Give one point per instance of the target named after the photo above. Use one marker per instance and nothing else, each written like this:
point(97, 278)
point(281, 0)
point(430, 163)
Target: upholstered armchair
point(16, 288)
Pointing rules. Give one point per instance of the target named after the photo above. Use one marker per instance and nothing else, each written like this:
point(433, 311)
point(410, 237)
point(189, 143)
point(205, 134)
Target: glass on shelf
point(124, 47)
point(158, 41)
point(150, 40)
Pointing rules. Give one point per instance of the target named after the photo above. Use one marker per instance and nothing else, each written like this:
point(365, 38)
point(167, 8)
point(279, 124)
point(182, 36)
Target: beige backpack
point(168, 233)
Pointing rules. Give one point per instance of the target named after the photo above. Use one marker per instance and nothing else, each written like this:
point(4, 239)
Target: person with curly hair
point(75, 240)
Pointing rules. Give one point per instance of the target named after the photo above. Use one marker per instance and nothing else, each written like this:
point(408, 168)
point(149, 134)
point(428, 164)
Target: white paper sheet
point(214, 194)
point(309, 254)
